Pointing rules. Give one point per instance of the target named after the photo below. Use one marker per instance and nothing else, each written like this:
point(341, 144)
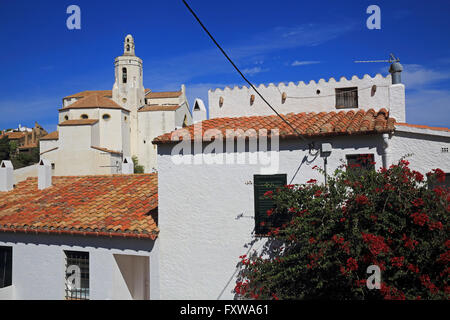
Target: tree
point(4, 148)
point(137, 167)
point(393, 218)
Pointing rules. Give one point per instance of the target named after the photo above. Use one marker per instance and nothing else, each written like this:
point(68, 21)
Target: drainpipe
point(385, 155)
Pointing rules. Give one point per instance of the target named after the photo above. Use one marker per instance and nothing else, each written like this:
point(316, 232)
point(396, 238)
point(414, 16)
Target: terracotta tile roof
point(106, 205)
point(28, 146)
point(13, 135)
point(78, 122)
point(166, 94)
point(422, 127)
point(50, 150)
point(94, 101)
point(51, 136)
point(308, 124)
point(82, 94)
point(159, 108)
point(106, 150)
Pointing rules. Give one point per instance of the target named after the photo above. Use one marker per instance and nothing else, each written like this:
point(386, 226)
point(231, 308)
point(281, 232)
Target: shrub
point(391, 218)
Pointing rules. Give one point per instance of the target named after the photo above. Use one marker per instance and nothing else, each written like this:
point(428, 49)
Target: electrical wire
point(239, 71)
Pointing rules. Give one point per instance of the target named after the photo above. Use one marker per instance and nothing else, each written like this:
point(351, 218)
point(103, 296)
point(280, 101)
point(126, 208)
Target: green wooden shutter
point(262, 204)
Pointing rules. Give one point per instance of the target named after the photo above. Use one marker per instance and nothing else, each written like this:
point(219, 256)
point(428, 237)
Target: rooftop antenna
point(395, 69)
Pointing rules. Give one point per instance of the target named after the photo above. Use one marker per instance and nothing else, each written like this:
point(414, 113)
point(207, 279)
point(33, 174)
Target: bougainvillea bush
point(393, 218)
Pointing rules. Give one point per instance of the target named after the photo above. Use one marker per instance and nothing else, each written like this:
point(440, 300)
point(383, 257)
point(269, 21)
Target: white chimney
point(199, 111)
point(44, 174)
point(127, 166)
point(6, 176)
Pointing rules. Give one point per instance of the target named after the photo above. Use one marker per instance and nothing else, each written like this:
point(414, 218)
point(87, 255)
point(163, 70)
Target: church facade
point(98, 129)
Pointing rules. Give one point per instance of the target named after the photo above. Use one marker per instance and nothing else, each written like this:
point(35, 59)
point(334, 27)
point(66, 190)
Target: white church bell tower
point(128, 90)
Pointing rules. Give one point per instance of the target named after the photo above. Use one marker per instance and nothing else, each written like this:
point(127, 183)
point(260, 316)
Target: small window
point(125, 118)
point(106, 116)
point(346, 98)
point(5, 266)
point(66, 118)
point(124, 75)
point(84, 116)
point(359, 162)
point(77, 275)
point(264, 222)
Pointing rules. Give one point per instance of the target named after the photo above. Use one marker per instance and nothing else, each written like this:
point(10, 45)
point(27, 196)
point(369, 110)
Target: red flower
point(417, 202)
point(318, 193)
point(435, 225)
point(362, 199)
point(338, 240)
point(352, 264)
point(413, 268)
point(268, 194)
point(312, 181)
point(418, 176)
point(376, 243)
point(397, 261)
point(269, 212)
point(420, 218)
point(312, 240)
point(440, 175)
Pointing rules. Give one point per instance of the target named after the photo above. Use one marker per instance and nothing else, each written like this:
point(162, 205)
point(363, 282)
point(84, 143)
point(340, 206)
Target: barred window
point(77, 275)
point(346, 98)
point(5, 266)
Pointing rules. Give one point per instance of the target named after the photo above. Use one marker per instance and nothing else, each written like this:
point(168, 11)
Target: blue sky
point(271, 41)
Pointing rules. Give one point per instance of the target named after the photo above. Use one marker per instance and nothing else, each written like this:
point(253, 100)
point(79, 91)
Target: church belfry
point(128, 90)
point(128, 46)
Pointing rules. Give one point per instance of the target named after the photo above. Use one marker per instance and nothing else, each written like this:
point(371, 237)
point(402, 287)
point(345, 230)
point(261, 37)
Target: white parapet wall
point(22, 174)
point(373, 92)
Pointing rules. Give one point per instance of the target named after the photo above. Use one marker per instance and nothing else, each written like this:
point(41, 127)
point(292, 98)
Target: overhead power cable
point(239, 71)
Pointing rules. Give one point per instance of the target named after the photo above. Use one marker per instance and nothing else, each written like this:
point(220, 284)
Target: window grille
point(346, 98)
point(5, 266)
point(77, 275)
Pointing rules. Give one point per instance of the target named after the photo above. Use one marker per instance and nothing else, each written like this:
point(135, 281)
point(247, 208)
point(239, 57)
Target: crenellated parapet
point(363, 93)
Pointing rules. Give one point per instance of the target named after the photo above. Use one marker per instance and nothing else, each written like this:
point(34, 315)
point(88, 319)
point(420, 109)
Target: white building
point(203, 234)
point(78, 237)
point(96, 129)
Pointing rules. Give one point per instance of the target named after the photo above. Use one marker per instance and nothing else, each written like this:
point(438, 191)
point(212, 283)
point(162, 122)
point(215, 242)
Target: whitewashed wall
point(39, 265)
point(207, 211)
point(424, 145)
point(206, 214)
point(236, 101)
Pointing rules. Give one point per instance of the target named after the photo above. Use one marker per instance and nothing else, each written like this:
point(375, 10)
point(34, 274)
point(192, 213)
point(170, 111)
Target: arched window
point(66, 117)
point(84, 116)
point(106, 116)
point(124, 75)
point(128, 47)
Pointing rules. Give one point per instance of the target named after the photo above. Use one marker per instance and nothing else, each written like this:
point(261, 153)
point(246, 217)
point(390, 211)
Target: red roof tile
point(104, 93)
point(12, 135)
point(51, 136)
point(159, 108)
point(108, 205)
point(106, 150)
point(94, 101)
point(308, 124)
point(78, 122)
point(422, 127)
point(160, 95)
